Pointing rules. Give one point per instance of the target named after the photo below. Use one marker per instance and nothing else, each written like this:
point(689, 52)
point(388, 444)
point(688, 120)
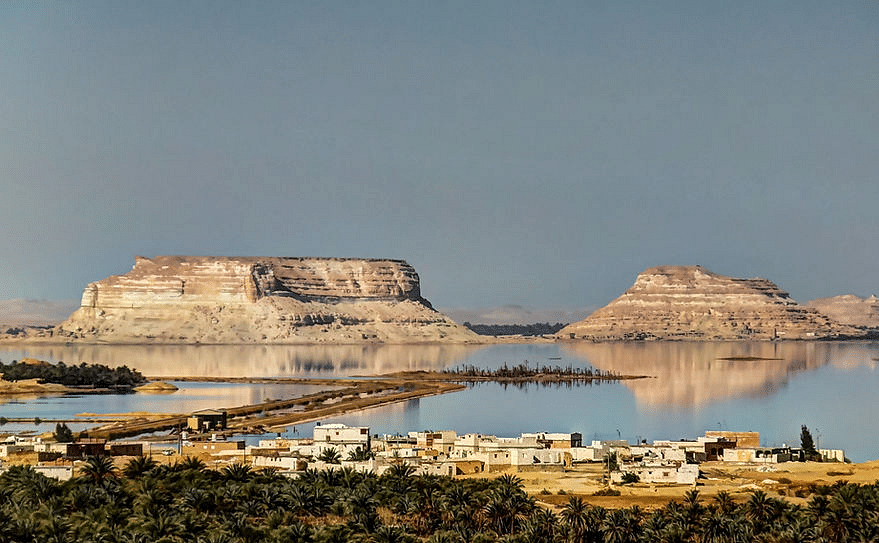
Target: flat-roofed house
point(207, 420)
point(342, 438)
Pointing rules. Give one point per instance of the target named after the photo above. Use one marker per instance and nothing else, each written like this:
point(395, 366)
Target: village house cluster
point(438, 453)
point(447, 453)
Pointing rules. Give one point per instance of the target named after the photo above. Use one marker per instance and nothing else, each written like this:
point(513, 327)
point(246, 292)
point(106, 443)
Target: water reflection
point(766, 387)
point(253, 361)
point(700, 373)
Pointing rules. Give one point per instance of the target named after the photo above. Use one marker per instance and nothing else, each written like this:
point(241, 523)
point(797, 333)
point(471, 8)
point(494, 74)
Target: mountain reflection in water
point(253, 361)
point(772, 388)
point(681, 373)
point(701, 373)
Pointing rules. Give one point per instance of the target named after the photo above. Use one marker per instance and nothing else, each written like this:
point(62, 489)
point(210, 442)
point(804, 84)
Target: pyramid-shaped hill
point(692, 303)
point(228, 300)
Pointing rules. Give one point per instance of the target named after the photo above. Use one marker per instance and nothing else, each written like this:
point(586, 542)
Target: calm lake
point(772, 388)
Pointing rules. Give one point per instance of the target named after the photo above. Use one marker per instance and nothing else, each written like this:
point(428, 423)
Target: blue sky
point(531, 153)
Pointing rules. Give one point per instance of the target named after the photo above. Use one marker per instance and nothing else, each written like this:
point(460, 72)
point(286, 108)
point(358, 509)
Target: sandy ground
point(790, 481)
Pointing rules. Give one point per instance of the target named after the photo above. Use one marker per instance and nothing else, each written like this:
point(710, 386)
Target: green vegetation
point(62, 433)
point(536, 329)
point(85, 375)
point(629, 478)
point(808, 444)
point(330, 456)
point(360, 455)
point(525, 371)
point(187, 502)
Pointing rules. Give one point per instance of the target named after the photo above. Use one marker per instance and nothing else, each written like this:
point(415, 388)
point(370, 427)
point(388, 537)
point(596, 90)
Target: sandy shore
point(30, 386)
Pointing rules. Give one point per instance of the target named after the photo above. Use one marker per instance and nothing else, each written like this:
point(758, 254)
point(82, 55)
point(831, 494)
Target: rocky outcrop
point(690, 302)
point(850, 309)
point(182, 299)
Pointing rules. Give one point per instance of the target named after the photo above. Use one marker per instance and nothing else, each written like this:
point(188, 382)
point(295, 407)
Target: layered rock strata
point(850, 309)
point(183, 299)
point(692, 303)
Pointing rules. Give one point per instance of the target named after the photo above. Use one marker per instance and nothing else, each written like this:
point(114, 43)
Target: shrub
point(630, 478)
point(607, 492)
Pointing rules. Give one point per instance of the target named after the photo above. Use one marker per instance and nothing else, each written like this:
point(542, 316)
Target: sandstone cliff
point(690, 302)
point(850, 309)
point(182, 299)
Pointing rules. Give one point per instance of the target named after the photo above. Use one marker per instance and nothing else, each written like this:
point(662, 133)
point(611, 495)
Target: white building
point(757, 456)
point(342, 438)
point(832, 455)
point(532, 457)
point(659, 472)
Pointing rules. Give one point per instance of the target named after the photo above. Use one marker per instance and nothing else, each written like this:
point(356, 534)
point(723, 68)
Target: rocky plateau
point(692, 303)
point(229, 300)
point(850, 309)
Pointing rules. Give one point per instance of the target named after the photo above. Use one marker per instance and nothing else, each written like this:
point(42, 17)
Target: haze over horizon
point(516, 154)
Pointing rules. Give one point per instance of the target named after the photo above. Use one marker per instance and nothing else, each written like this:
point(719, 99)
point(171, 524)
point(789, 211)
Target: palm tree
point(349, 478)
point(446, 537)
point(99, 468)
point(458, 506)
point(363, 508)
point(216, 537)
point(295, 532)
point(164, 524)
point(192, 463)
point(137, 467)
point(238, 472)
point(507, 480)
point(574, 515)
point(195, 498)
point(55, 529)
point(391, 534)
point(760, 509)
point(319, 501)
point(542, 526)
point(400, 471)
point(507, 506)
point(360, 455)
point(621, 526)
point(330, 456)
point(725, 502)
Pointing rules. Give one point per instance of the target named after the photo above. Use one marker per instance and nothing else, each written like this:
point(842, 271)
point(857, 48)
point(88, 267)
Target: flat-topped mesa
point(185, 299)
point(690, 302)
point(186, 280)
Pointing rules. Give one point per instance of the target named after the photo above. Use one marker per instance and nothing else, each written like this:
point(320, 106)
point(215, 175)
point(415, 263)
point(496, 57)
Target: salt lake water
point(772, 388)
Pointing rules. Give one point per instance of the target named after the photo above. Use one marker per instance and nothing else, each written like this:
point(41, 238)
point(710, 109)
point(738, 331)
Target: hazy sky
point(531, 153)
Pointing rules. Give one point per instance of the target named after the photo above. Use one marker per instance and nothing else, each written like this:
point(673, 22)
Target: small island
point(29, 376)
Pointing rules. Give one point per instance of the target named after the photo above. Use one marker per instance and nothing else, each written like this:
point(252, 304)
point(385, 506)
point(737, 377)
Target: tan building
point(743, 440)
point(442, 442)
point(210, 447)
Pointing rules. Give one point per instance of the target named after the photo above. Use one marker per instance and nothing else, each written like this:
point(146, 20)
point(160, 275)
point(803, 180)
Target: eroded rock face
point(690, 302)
point(182, 299)
point(850, 309)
